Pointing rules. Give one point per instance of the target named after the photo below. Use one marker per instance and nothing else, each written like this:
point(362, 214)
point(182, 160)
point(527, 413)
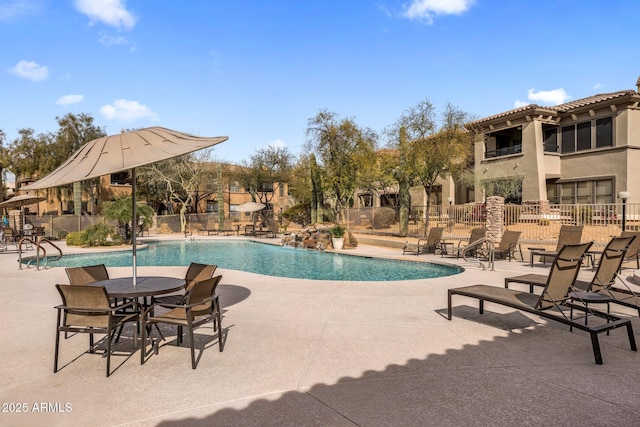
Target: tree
point(433, 149)
point(73, 133)
point(342, 148)
point(377, 176)
point(179, 179)
point(267, 170)
point(120, 210)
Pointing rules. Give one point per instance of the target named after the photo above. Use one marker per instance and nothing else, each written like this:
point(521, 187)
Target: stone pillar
point(495, 217)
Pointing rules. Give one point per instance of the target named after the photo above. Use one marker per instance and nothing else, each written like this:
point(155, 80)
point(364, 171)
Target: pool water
point(266, 259)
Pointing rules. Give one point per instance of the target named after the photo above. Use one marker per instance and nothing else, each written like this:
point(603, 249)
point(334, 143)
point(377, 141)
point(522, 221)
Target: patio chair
point(476, 234)
point(432, 244)
point(554, 299)
point(633, 253)
point(200, 305)
point(569, 235)
point(509, 246)
point(79, 276)
point(610, 262)
point(195, 273)
point(87, 309)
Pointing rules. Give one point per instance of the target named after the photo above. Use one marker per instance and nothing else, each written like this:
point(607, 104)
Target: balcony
point(506, 151)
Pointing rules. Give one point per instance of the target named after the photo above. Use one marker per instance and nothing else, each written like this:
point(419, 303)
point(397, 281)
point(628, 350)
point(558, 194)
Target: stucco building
point(583, 151)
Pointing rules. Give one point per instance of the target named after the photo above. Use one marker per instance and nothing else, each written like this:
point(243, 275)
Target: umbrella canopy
point(124, 151)
point(21, 200)
point(250, 207)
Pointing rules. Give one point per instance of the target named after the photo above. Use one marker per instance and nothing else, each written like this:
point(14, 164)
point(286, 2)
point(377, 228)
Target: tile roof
point(561, 108)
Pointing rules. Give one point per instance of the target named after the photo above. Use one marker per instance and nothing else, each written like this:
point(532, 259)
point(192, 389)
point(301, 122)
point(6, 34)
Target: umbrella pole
point(134, 225)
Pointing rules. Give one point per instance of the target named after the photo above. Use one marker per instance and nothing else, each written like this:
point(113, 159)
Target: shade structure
point(121, 152)
point(21, 200)
point(250, 207)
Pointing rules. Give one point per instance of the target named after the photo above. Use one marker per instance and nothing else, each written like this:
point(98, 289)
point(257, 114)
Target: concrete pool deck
point(310, 353)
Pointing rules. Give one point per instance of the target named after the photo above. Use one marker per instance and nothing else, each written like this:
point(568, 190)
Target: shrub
point(300, 214)
point(101, 235)
point(384, 217)
point(94, 235)
point(337, 231)
point(75, 238)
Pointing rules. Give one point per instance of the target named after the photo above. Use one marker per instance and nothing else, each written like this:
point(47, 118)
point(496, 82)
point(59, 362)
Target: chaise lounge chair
point(605, 275)
point(471, 246)
point(569, 235)
point(553, 301)
point(430, 245)
point(509, 246)
point(633, 253)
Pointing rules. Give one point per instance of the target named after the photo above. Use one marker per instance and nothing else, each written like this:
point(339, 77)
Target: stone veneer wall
point(495, 217)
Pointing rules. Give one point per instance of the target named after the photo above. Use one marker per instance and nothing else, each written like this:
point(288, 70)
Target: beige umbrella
point(21, 201)
point(121, 152)
point(250, 207)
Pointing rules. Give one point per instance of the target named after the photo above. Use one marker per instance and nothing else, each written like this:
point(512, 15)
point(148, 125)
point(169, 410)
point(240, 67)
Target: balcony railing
point(516, 149)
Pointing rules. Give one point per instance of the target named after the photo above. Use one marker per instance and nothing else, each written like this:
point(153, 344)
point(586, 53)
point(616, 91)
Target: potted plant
point(337, 236)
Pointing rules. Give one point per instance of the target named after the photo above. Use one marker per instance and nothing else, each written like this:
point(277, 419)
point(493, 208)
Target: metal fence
point(538, 225)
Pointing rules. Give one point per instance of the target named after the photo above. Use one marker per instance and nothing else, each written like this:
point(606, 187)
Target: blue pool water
point(266, 259)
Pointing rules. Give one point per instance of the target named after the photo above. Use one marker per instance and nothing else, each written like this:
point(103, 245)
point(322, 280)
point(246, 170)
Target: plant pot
point(337, 242)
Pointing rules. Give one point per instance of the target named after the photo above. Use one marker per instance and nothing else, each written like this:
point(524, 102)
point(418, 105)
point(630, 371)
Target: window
point(366, 200)
point(234, 187)
point(212, 206)
point(568, 139)
point(233, 211)
point(579, 137)
point(266, 187)
point(120, 178)
point(281, 190)
point(586, 192)
point(604, 132)
point(551, 140)
point(584, 136)
point(604, 191)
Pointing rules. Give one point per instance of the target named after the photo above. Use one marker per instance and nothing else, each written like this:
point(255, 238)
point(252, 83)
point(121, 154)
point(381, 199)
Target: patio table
point(146, 286)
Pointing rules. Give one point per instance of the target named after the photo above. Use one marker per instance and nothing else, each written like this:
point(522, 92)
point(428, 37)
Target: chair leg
point(108, 350)
point(596, 348)
point(55, 357)
point(193, 352)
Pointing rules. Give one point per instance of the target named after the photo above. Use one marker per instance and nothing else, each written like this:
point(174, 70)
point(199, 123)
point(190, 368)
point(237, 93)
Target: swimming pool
point(266, 259)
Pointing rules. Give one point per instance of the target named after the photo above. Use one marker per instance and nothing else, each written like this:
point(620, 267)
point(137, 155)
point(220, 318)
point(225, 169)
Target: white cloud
point(425, 10)
point(519, 103)
point(11, 9)
point(554, 97)
point(278, 143)
point(110, 12)
point(30, 70)
point(70, 99)
point(108, 41)
point(597, 86)
point(127, 111)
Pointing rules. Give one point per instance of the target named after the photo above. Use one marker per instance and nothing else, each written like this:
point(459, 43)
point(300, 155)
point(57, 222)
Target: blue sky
point(257, 70)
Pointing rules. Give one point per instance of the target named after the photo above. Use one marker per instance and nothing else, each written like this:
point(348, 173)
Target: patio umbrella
point(251, 207)
point(121, 152)
point(21, 201)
